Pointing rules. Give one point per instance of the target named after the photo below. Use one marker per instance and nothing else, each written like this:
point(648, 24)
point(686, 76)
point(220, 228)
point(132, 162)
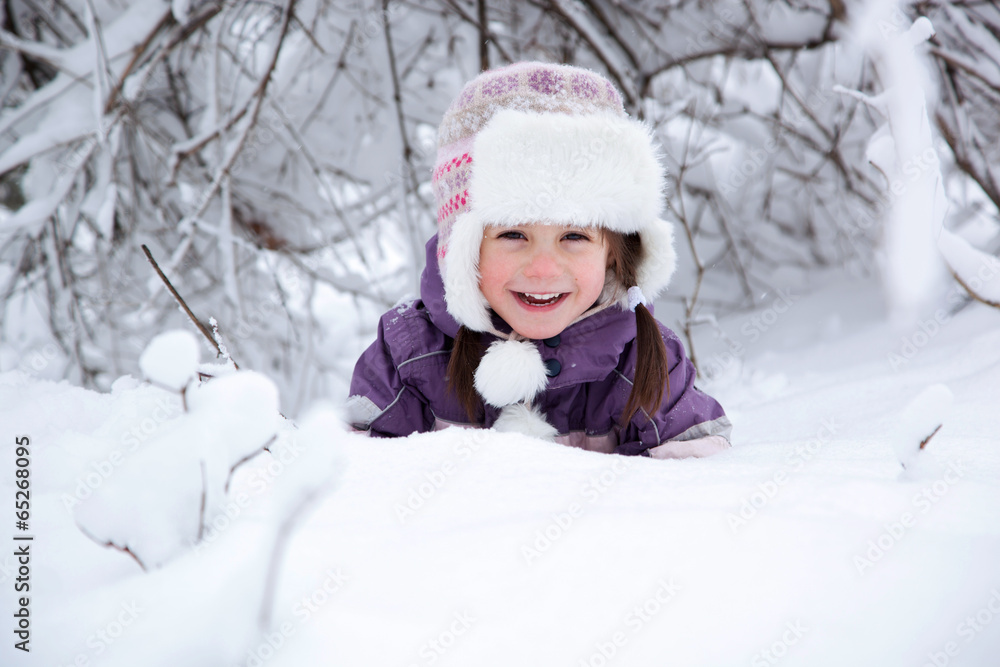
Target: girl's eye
point(576, 236)
point(511, 235)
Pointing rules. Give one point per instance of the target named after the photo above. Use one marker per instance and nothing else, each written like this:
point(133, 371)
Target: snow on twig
point(258, 96)
point(109, 544)
point(55, 57)
point(973, 293)
point(101, 75)
point(183, 304)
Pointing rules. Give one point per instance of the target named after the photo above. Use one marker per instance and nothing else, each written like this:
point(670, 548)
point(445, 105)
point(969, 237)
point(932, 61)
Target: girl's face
point(539, 278)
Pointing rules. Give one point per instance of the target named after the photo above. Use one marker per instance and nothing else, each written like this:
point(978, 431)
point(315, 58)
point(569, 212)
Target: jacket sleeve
point(381, 402)
point(688, 423)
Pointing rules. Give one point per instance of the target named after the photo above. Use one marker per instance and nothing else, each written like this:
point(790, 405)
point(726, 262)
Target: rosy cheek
point(491, 277)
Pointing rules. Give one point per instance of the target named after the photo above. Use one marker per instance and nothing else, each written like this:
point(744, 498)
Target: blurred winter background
point(837, 207)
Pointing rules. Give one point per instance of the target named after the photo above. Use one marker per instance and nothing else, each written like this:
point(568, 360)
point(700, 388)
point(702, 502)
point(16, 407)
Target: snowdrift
point(809, 543)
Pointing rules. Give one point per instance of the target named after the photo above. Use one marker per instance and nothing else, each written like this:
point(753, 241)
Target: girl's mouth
point(540, 300)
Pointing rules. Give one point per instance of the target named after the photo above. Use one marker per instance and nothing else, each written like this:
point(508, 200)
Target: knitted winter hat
point(540, 143)
point(536, 142)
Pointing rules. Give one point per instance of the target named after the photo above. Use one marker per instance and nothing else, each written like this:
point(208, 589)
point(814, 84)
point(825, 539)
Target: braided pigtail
point(466, 353)
point(652, 378)
point(652, 367)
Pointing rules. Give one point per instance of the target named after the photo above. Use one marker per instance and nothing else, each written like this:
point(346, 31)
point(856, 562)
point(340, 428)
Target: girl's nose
point(543, 263)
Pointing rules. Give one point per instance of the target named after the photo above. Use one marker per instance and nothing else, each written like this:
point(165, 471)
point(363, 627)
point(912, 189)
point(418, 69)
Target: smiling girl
point(534, 312)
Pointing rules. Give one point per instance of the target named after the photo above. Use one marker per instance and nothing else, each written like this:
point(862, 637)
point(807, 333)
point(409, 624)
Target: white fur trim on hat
point(519, 418)
point(460, 273)
point(511, 371)
point(659, 259)
point(598, 170)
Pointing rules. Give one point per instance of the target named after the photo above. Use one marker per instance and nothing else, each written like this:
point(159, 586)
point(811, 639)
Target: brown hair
point(651, 376)
point(466, 353)
point(651, 366)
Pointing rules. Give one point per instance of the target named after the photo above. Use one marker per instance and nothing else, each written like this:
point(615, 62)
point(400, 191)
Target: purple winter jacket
point(399, 384)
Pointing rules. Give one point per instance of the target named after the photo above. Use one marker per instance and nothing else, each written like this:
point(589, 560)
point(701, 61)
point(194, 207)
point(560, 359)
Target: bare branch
point(923, 443)
point(109, 544)
point(975, 295)
point(183, 304)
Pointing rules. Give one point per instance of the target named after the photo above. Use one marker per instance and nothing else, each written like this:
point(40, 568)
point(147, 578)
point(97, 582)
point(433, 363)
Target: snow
point(181, 9)
point(903, 151)
point(976, 268)
point(806, 544)
point(171, 359)
point(919, 421)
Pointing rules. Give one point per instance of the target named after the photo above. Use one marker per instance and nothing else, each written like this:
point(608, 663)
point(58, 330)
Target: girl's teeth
point(540, 299)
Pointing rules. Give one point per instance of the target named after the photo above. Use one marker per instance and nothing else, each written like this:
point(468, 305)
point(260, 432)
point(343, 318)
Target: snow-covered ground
point(806, 544)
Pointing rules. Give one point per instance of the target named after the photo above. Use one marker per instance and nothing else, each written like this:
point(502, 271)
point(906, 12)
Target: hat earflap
point(460, 273)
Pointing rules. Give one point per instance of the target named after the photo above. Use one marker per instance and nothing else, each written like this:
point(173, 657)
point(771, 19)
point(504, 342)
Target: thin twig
point(923, 443)
point(409, 184)
point(483, 29)
point(139, 52)
point(109, 543)
point(484, 40)
point(623, 43)
point(277, 555)
point(681, 213)
point(183, 304)
point(972, 292)
point(204, 501)
point(251, 455)
point(43, 16)
point(258, 95)
point(581, 26)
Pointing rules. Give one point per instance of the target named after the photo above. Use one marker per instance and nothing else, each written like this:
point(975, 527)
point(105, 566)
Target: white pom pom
point(171, 359)
point(510, 372)
point(519, 418)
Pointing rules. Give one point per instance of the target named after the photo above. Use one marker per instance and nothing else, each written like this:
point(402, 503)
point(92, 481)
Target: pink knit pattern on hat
point(528, 86)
